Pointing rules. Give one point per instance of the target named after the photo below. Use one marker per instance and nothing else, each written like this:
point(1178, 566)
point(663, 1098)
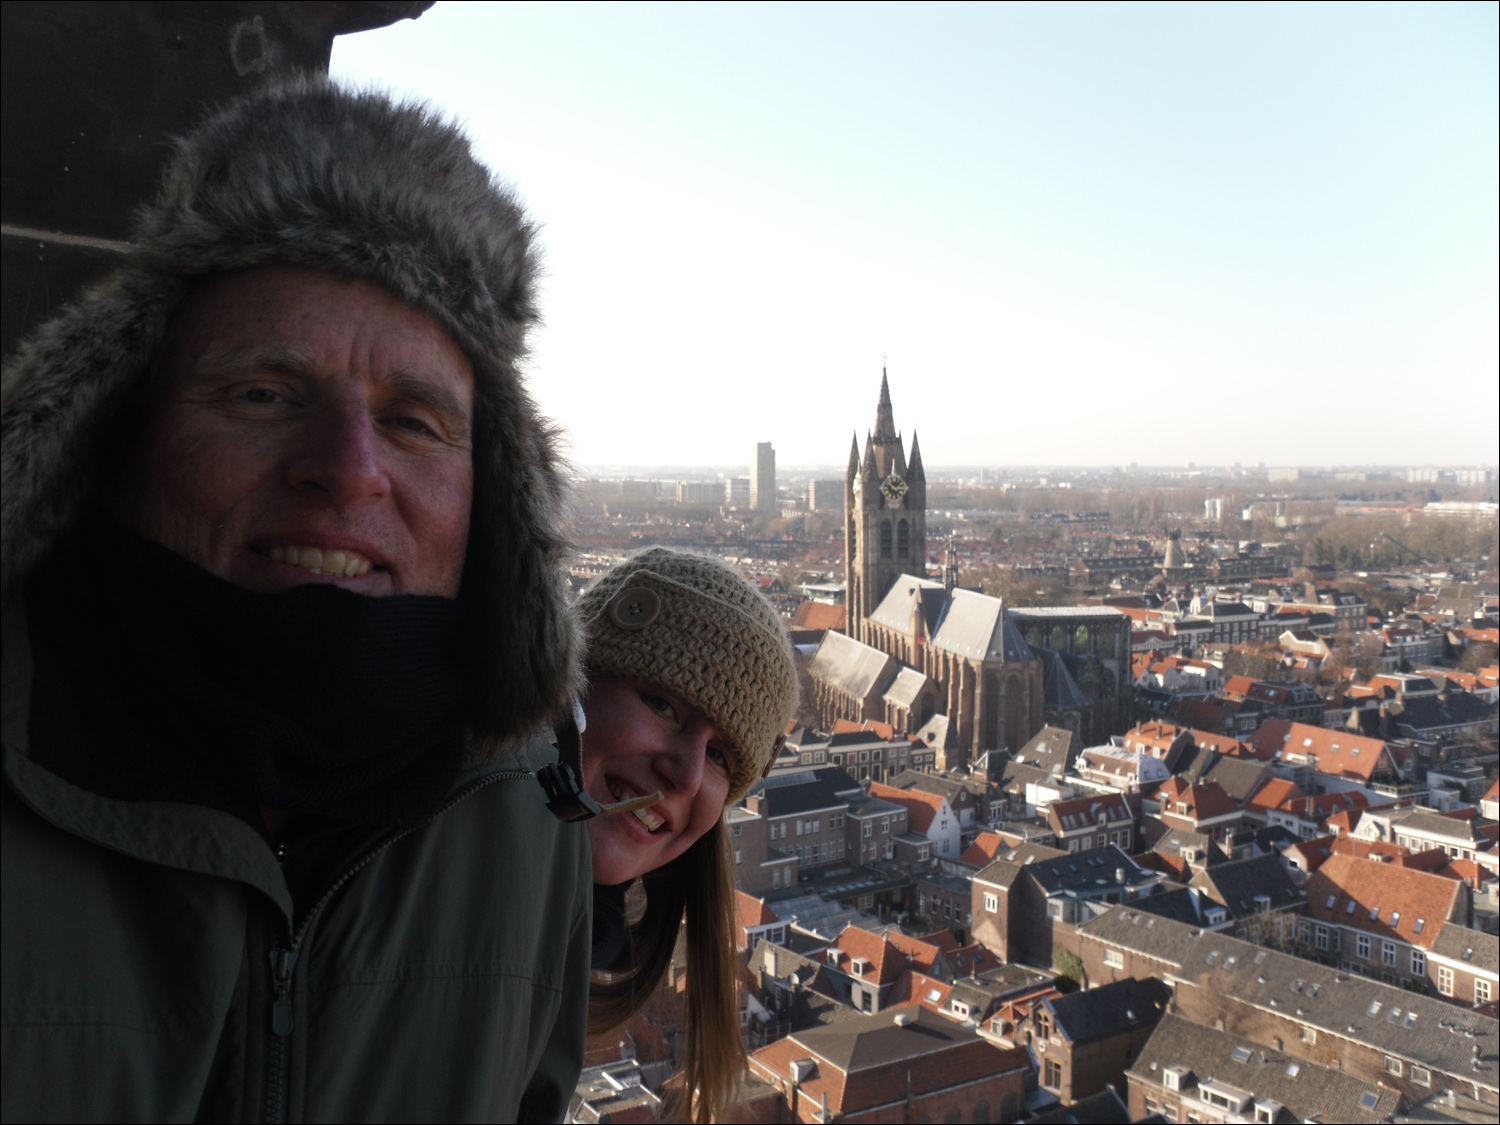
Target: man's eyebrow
point(243, 361)
point(424, 392)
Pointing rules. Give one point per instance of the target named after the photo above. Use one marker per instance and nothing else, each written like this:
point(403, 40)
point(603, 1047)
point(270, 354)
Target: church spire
point(871, 471)
point(885, 421)
point(853, 470)
point(914, 471)
point(950, 565)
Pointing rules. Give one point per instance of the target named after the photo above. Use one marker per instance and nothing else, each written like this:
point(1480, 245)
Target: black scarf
point(156, 680)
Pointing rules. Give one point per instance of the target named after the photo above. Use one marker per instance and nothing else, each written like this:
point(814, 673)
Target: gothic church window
point(903, 539)
point(885, 539)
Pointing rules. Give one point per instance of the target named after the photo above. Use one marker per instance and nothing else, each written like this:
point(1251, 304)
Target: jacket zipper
point(284, 958)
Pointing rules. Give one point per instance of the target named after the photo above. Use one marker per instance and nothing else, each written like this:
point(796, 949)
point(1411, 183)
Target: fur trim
point(303, 173)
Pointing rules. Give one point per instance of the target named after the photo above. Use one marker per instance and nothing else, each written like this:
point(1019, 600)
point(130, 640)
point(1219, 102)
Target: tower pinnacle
point(885, 419)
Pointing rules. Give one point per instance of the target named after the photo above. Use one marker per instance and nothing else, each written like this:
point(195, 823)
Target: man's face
point(307, 429)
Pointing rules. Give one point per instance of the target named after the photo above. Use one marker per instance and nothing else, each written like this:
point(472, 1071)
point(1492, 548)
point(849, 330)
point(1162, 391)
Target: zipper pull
point(283, 961)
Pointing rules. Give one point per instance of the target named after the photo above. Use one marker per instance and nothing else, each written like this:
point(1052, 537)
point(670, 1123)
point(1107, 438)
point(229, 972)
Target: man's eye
point(413, 425)
point(260, 395)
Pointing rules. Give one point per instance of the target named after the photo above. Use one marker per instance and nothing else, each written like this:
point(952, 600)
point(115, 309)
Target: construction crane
point(1404, 547)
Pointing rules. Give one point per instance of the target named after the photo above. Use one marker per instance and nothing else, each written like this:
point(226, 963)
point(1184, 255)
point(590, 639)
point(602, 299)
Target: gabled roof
point(1200, 802)
point(1331, 751)
point(921, 808)
point(1059, 689)
point(905, 688)
point(984, 848)
point(1050, 748)
point(750, 911)
point(1275, 793)
point(1474, 948)
point(1109, 1010)
point(799, 797)
point(1382, 899)
point(870, 1062)
point(819, 615)
point(1237, 884)
point(1306, 1090)
point(850, 666)
point(882, 960)
point(895, 609)
point(977, 626)
point(1084, 812)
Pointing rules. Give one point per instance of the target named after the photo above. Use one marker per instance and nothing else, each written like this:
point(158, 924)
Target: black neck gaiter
point(156, 680)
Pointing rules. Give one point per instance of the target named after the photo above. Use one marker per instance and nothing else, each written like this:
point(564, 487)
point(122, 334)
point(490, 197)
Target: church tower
point(885, 516)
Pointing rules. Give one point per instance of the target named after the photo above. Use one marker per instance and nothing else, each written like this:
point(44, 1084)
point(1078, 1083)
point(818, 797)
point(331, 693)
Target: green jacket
point(151, 971)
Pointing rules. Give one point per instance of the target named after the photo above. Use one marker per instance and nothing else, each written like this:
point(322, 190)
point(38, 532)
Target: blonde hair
point(697, 888)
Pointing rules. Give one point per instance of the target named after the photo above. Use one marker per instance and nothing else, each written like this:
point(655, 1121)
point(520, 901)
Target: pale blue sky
point(1082, 234)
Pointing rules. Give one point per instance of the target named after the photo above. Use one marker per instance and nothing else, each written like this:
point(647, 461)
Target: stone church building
point(953, 666)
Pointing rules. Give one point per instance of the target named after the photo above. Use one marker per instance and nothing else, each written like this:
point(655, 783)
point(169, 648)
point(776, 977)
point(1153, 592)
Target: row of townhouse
point(1379, 1033)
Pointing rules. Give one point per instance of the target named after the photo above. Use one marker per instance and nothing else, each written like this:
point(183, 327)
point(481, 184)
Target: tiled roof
point(1275, 793)
point(850, 666)
point(1237, 884)
point(920, 807)
point(750, 911)
point(1109, 1010)
point(870, 726)
point(978, 627)
point(895, 609)
point(984, 848)
point(819, 615)
point(1381, 898)
point(1469, 947)
point(905, 688)
point(1332, 751)
point(886, 961)
point(1084, 812)
point(866, 1063)
point(1427, 1030)
point(1200, 802)
point(1309, 1092)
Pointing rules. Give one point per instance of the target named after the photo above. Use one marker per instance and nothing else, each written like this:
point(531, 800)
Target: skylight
point(1395, 916)
point(1374, 913)
point(1329, 904)
point(1374, 1008)
point(1241, 1054)
point(1293, 1069)
point(1418, 927)
point(1368, 1100)
point(1350, 908)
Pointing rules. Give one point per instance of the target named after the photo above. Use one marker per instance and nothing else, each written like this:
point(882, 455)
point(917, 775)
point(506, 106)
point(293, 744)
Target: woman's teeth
point(648, 818)
point(624, 793)
point(318, 561)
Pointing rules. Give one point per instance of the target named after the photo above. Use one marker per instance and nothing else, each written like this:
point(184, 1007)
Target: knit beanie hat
point(694, 626)
point(303, 173)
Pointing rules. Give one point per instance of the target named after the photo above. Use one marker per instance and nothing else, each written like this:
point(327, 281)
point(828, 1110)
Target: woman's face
point(642, 740)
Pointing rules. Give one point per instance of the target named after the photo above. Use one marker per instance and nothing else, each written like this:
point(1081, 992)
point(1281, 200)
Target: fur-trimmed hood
point(303, 173)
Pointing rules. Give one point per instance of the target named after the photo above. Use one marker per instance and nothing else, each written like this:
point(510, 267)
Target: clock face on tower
point(893, 488)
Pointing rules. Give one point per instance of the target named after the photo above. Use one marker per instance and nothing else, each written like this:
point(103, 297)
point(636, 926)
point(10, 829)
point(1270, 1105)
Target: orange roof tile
point(819, 615)
point(1381, 898)
point(886, 961)
point(1274, 793)
point(921, 807)
point(984, 848)
point(1331, 751)
point(874, 726)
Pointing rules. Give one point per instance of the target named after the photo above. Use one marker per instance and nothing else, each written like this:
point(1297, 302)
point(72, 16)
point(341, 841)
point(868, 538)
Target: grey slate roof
point(894, 610)
point(935, 733)
point(1423, 1029)
point(1235, 883)
point(1088, 870)
point(850, 666)
point(1110, 1010)
point(1305, 1090)
point(1238, 777)
point(787, 800)
point(1429, 712)
point(1180, 904)
point(1050, 748)
point(1466, 946)
point(1059, 689)
point(977, 626)
point(905, 688)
